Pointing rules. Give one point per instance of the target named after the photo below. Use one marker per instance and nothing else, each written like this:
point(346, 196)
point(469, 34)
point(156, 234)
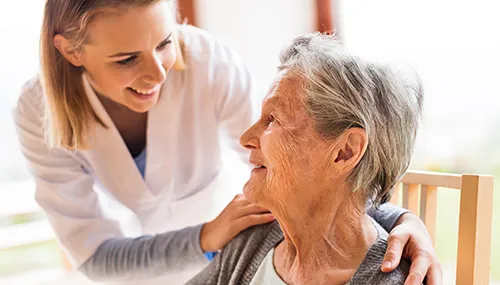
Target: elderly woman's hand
point(410, 239)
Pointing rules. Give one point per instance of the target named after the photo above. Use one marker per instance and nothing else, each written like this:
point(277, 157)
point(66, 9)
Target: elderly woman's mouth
point(258, 168)
point(257, 163)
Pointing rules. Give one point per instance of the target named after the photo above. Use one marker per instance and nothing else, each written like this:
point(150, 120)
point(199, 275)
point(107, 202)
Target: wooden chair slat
point(433, 179)
point(396, 194)
point(411, 197)
point(428, 209)
point(474, 230)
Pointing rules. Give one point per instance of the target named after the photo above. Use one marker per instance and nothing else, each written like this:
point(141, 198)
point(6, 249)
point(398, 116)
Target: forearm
point(386, 215)
point(146, 256)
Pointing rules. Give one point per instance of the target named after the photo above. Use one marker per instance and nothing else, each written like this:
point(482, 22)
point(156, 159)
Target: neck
point(112, 106)
point(325, 240)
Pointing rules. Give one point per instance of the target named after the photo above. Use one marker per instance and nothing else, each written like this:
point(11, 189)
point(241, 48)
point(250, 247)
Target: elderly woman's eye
point(271, 119)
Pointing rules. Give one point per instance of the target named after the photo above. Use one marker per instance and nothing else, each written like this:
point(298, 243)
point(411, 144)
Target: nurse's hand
point(238, 215)
point(409, 239)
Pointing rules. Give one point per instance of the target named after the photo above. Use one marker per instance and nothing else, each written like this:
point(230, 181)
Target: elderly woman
point(336, 133)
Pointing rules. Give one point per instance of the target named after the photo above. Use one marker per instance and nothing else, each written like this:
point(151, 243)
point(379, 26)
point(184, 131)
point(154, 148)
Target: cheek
point(285, 158)
point(121, 79)
point(111, 79)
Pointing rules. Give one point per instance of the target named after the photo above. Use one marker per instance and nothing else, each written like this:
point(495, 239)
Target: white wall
point(20, 23)
point(257, 30)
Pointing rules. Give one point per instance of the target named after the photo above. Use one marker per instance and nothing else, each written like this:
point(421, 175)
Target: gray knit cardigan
point(238, 262)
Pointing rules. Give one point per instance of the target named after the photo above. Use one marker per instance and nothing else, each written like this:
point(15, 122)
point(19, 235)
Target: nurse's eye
point(127, 61)
point(164, 44)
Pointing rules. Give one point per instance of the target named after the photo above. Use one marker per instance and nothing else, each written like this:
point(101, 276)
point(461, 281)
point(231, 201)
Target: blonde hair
point(69, 116)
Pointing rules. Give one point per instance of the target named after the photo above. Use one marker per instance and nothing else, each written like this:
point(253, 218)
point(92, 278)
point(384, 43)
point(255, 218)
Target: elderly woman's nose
point(249, 140)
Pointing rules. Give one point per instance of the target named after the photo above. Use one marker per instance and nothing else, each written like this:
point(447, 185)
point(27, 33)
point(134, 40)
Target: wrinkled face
point(129, 54)
point(289, 155)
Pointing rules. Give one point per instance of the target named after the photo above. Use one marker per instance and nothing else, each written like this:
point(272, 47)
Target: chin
point(142, 107)
point(253, 192)
point(247, 191)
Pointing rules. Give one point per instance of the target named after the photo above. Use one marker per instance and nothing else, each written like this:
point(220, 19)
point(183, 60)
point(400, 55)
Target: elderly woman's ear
point(349, 150)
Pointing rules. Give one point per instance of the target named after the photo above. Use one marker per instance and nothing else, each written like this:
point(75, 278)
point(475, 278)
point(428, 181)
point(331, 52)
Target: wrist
point(405, 217)
point(205, 242)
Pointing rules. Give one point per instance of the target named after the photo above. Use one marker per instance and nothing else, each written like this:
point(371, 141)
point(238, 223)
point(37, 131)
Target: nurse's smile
point(144, 95)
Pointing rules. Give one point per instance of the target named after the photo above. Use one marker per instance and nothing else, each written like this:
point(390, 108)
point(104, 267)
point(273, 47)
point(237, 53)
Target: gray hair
point(342, 91)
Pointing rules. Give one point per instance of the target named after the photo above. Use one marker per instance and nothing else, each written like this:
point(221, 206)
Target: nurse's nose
point(155, 73)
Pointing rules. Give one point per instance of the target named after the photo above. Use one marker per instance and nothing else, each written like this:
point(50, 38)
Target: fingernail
point(386, 264)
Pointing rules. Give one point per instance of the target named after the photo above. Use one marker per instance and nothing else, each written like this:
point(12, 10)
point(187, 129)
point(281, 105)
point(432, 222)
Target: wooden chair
point(418, 192)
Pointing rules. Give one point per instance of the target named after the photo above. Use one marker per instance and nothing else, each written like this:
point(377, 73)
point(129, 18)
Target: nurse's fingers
point(240, 200)
point(241, 206)
point(236, 217)
point(418, 270)
point(434, 275)
point(251, 209)
point(253, 220)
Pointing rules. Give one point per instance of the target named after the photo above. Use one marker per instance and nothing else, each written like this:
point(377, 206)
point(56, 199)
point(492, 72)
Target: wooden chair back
point(417, 191)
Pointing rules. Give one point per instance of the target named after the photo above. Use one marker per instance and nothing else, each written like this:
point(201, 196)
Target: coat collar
point(112, 162)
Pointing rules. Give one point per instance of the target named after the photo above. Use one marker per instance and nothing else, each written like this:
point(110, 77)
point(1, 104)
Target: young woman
point(131, 101)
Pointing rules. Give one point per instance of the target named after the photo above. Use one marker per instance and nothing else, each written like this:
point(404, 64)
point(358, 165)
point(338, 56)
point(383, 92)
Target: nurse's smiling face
point(128, 54)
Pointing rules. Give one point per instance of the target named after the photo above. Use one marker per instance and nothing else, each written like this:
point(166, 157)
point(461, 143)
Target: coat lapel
point(161, 138)
point(111, 160)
